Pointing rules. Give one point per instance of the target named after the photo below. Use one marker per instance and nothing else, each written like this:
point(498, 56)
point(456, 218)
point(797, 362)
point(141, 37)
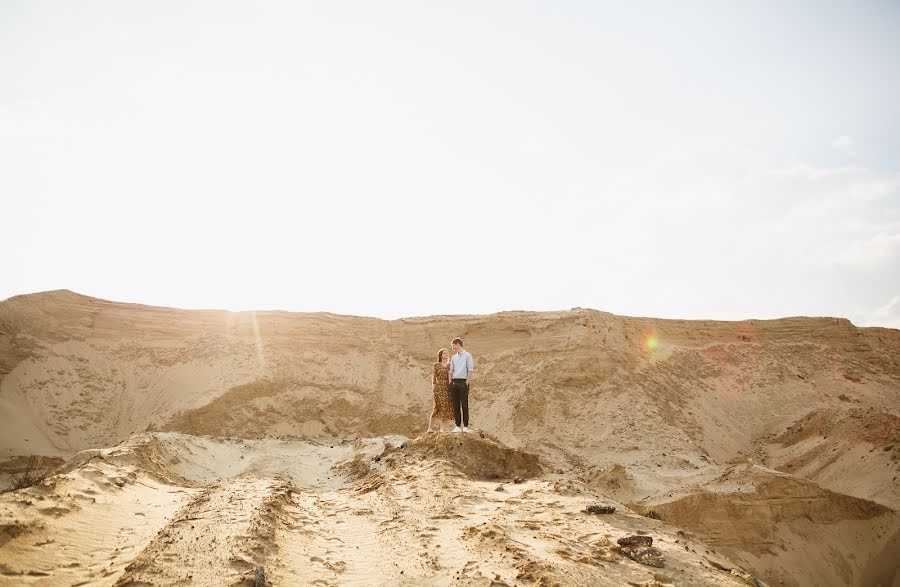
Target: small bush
point(31, 475)
point(651, 513)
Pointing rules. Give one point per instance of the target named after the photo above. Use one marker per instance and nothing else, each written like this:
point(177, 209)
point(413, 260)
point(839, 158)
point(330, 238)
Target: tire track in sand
point(219, 538)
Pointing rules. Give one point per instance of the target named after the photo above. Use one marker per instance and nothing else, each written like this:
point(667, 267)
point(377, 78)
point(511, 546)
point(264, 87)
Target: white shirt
point(461, 363)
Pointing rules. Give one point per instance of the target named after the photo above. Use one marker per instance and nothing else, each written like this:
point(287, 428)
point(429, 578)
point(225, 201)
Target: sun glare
point(258, 338)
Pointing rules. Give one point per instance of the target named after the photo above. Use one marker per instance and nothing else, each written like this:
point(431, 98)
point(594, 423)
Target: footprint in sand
point(336, 566)
point(468, 500)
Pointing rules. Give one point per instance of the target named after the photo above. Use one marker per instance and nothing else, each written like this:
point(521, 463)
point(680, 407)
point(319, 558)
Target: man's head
point(457, 344)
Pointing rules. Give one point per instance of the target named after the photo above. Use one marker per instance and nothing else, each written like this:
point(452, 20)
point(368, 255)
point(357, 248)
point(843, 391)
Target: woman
point(440, 388)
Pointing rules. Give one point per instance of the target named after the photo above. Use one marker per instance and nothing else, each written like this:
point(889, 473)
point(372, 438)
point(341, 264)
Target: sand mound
point(477, 454)
point(192, 461)
point(877, 427)
point(147, 452)
point(789, 530)
point(852, 450)
point(295, 406)
point(614, 481)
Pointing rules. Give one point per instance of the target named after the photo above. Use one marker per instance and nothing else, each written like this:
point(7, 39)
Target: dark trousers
point(459, 395)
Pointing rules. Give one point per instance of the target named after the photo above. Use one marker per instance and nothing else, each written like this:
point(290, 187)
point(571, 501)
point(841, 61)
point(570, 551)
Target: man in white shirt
point(462, 367)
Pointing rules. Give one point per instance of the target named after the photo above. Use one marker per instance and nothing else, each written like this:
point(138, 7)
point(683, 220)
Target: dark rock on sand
point(635, 541)
point(646, 555)
point(600, 509)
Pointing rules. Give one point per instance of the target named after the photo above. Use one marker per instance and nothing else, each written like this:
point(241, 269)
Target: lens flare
point(651, 342)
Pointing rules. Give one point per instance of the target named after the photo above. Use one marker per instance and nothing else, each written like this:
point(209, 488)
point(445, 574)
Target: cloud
point(890, 308)
point(843, 144)
point(888, 314)
point(723, 234)
point(538, 145)
point(878, 251)
point(729, 200)
point(825, 214)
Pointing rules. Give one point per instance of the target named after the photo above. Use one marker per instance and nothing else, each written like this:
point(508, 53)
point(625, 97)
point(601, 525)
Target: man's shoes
point(456, 429)
point(465, 428)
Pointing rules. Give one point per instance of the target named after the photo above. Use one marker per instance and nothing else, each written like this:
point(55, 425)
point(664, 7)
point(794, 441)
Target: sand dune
point(169, 508)
point(775, 523)
point(773, 442)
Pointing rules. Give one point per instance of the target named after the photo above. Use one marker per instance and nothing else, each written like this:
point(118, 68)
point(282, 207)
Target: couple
point(450, 385)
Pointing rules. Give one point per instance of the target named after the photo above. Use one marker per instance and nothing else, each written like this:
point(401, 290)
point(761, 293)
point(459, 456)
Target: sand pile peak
point(477, 454)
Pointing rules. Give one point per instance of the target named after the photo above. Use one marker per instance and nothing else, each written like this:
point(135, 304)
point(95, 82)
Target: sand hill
point(198, 446)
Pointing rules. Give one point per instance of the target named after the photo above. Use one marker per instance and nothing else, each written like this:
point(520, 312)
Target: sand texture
point(212, 448)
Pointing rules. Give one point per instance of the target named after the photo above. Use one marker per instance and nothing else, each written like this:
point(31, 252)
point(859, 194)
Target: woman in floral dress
point(440, 387)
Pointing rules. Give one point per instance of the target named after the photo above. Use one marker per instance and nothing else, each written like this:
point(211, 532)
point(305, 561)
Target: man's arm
point(470, 368)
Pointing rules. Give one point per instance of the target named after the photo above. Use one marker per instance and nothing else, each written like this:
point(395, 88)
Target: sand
point(202, 445)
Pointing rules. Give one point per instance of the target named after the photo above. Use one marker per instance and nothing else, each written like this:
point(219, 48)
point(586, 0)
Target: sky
point(697, 159)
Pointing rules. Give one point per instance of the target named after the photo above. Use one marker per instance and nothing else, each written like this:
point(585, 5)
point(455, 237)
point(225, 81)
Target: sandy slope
point(643, 411)
point(419, 512)
point(840, 540)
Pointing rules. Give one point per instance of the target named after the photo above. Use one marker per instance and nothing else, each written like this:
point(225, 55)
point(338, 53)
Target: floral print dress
point(443, 409)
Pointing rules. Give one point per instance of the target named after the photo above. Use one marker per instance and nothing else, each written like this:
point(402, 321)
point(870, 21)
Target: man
point(462, 367)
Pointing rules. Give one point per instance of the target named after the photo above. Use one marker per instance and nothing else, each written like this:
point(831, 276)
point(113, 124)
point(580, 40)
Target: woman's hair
point(441, 352)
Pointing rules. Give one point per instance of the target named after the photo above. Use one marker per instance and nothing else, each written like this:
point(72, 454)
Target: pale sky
point(703, 160)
